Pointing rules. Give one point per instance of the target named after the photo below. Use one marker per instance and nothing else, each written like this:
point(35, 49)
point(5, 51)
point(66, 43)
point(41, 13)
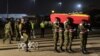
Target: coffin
point(77, 18)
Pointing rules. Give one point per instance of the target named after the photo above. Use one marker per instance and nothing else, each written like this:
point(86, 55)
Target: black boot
point(70, 50)
point(56, 50)
point(3, 41)
point(85, 52)
point(61, 49)
point(66, 50)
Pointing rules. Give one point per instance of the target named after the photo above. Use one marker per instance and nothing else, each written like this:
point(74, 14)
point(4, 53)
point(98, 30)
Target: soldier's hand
point(58, 26)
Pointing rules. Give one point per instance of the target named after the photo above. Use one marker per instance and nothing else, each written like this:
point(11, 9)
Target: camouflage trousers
point(68, 38)
point(7, 36)
point(83, 39)
point(58, 36)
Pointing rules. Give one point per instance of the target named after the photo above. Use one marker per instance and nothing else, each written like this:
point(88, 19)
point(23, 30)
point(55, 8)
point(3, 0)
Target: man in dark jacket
point(26, 33)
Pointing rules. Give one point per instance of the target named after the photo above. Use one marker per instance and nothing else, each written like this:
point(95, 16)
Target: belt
point(58, 30)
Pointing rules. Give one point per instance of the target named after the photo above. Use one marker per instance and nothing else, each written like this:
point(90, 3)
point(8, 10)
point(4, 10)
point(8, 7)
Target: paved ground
point(46, 48)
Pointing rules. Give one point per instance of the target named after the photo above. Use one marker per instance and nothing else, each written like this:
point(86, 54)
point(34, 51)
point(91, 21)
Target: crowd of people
point(21, 28)
point(64, 32)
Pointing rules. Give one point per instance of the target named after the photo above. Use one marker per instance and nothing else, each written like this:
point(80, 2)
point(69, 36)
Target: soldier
point(17, 30)
point(8, 31)
point(12, 26)
point(58, 34)
point(68, 34)
point(20, 25)
point(83, 34)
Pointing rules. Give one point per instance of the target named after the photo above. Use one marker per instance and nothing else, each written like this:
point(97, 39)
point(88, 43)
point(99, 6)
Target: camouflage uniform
point(58, 34)
point(68, 35)
point(83, 34)
point(17, 35)
point(8, 32)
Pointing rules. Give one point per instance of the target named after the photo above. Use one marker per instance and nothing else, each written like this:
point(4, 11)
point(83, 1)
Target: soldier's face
point(56, 20)
point(67, 19)
point(83, 22)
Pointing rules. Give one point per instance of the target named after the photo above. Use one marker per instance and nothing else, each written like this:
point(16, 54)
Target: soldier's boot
point(84, 51)
point(61, 45)
point(10, 42)
point(70, 50)
point(66, 46)
point(3, 41)
point(27, 48)
point(55, 46)
point(70, 47)
point(66, 50)
point(61, 49)
point(56, 50)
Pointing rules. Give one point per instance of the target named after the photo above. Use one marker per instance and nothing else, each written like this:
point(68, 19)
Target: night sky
point(45, 6)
